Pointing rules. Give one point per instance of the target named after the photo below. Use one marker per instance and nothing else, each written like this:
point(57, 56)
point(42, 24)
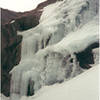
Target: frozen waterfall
point(48, 50)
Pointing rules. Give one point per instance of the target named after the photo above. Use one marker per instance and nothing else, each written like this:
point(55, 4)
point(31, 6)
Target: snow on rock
point(49, 50)
point(82, 87)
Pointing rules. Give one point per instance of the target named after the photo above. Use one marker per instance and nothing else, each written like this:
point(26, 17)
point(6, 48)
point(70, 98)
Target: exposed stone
point(86, 57)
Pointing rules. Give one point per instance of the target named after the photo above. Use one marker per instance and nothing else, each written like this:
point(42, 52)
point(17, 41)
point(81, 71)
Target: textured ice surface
point(48, 50)
point(82, 87)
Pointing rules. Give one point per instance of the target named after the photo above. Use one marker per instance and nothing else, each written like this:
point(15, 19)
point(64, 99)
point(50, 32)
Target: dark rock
point(8, 15)
point(86, 57)
point(10, 54)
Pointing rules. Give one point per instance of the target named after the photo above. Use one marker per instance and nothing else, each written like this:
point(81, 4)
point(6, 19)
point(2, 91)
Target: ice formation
point(75, 89)
point(48, 50)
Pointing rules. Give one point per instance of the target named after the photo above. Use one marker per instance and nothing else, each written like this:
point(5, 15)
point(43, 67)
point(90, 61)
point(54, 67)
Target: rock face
point(11, 42)
point(87, 56)
point(10, 53)
point(7, 15)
